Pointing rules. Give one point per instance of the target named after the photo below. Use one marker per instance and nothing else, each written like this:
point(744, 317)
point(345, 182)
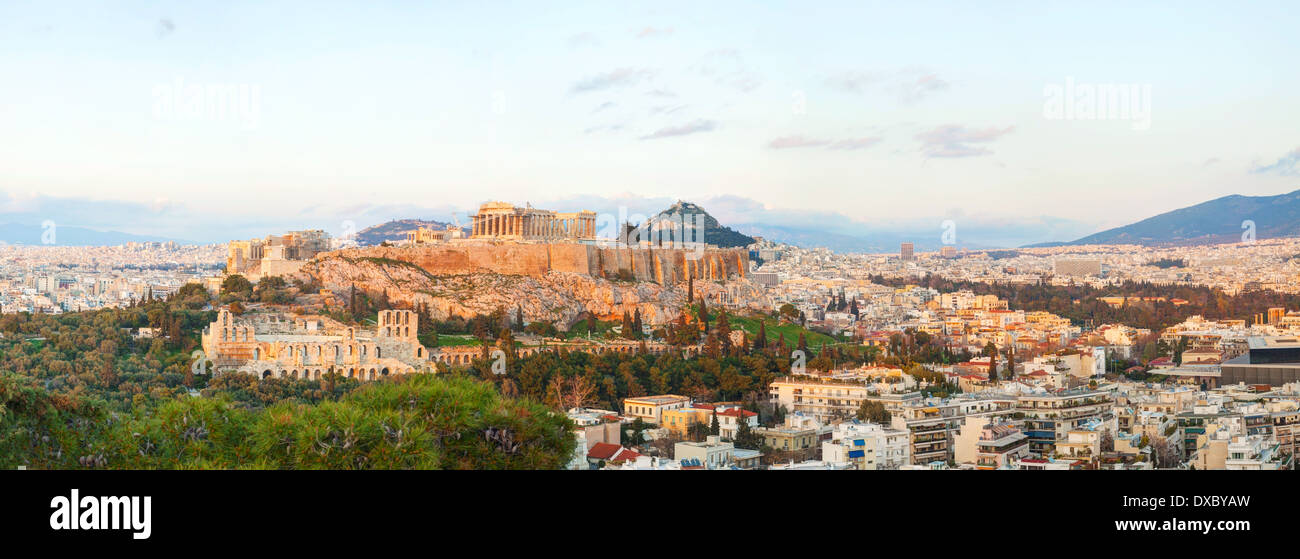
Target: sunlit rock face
point(555, 282)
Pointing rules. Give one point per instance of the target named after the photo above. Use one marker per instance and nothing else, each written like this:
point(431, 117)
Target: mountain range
point(66, 235)
point(1221, 220)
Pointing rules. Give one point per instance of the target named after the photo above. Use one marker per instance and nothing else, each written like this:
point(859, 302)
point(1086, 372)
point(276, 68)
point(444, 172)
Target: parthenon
point(503, 220)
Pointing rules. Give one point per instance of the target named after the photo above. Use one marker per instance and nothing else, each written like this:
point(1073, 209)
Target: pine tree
point(714, 427)
point(174, 330)
point(519, 317)
point(760, 342)
point(690, 290)
point(745, 435)
point(724, 331)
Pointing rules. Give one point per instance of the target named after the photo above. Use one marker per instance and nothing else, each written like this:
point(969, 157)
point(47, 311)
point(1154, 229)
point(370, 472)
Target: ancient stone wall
point(663, 266)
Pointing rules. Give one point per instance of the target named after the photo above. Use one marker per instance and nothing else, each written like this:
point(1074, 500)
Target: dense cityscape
point(787, 357)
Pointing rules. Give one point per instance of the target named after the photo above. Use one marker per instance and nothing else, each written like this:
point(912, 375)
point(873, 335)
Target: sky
point(212, 121)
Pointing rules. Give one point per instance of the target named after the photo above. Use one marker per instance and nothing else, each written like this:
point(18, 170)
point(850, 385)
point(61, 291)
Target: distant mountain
point(1216, 221)
point(66, 235)
point(714, 233)
point(394, 231)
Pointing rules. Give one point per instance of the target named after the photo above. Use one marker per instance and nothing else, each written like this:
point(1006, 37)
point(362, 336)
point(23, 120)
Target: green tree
point(873, 411)
point(236, 288)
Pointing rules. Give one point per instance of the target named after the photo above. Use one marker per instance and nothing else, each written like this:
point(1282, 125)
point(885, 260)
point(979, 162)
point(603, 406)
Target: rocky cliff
point(550, 282)
point(662, 266)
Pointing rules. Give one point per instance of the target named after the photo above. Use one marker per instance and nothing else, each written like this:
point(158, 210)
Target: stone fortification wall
point(662, 266)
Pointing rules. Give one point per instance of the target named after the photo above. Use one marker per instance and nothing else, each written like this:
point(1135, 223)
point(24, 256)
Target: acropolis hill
point(550, 265)
point(547, 281)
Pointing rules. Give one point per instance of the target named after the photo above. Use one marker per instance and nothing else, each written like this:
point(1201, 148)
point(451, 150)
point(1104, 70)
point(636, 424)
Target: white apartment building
point(868, 446)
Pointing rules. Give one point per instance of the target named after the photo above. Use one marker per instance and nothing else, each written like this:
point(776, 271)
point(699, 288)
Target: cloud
point(1286, 166)
point(583, 40)
point(666, 109)
point(660, 93)
point(909, 84)
point(915, 90)
point(726, 67)
point(603, 106)
point(161, 204)
point(692, 127)
point(954, 141)
point(649, 32)
point(620, 77)
point(164, 28)
point(789, 142)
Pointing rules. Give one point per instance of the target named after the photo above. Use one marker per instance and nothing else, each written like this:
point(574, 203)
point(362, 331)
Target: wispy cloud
point(726, 67)
point(603, 106)
point(855, 143)
point(912, 91)
point(797, 141)
point(1286, 166)
point(790, 142)
point(620, 77)
point(692, 127)
point(909, 84)
point(666, 109)
point(955, 141)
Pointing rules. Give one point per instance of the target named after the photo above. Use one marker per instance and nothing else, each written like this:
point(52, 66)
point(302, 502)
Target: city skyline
point(789, 116)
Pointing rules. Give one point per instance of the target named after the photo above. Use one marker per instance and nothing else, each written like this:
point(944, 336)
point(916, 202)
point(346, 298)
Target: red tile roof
point(603, 451)
point(625, 455)
point(611, 452)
